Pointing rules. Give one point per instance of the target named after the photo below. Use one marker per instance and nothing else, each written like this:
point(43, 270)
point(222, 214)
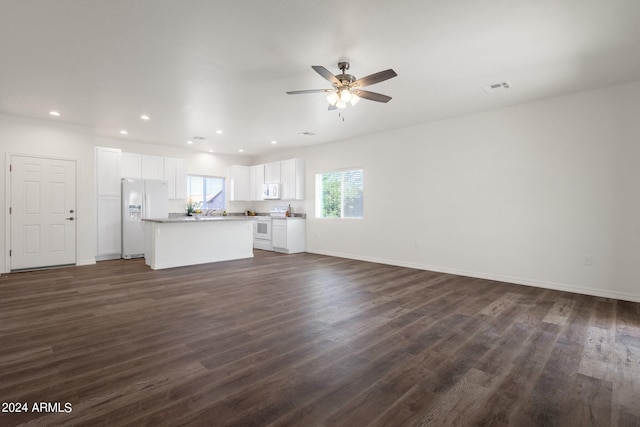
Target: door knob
point(71, 211)
point(70, 218)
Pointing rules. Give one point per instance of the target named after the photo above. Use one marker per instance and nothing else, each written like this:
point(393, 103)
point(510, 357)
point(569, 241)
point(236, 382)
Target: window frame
point(204, 178)
point(319, 205)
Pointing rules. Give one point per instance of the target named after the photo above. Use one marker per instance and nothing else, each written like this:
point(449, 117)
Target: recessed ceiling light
point(241, 150)
point(124, 132)
point(189, 142)
point(274, 142)
point(144, 117)
point(219, 131)
point(54, 113)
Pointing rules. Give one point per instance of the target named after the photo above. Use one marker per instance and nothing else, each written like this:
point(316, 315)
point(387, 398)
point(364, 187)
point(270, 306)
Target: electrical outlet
point(416, 244)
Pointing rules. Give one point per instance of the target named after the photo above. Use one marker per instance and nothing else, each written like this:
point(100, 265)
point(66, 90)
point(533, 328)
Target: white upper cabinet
point(175, 173)
point(108, 171)
point(239, 183)
point(292, 177)
point(272, 173)
point(256, 181)
point(170, 176)
point(152, 167)
point(246, 182)
point(143, 166)
point(131, 165)
point(181, 179)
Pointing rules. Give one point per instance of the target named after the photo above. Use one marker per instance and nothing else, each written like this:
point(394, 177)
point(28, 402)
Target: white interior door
point(43, 218)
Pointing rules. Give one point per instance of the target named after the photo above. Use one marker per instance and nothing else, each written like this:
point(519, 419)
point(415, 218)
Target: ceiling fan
point(346, 88)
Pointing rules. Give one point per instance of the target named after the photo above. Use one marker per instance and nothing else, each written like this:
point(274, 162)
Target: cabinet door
point(279, 234)
point(239, 183)
point(108, 171)
point(257, 176)
point(170, 176)
point(272, 172)
point(181, 179)
point(300, 179)
point(109, 231)
point(292, 175)
point(131, 165)
point(152, 167)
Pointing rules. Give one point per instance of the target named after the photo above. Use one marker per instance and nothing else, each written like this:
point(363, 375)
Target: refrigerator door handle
point(144, 205)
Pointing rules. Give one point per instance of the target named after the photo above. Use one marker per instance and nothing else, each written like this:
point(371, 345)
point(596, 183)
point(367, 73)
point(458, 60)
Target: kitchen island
point(180, 241)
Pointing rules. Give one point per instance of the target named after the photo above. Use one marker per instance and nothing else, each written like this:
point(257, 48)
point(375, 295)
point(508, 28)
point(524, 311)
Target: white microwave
point(271, 191)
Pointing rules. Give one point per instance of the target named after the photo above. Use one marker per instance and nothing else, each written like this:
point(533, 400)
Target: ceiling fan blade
point(298, 92)
point(326, 74)
point(375, 78)
point(332, 107)
point(372, 96)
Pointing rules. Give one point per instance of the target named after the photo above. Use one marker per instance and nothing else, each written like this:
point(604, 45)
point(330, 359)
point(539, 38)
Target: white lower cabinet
point(288, 235)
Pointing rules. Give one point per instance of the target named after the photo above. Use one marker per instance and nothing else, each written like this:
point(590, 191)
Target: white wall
point(528, 194)
point(20, 135)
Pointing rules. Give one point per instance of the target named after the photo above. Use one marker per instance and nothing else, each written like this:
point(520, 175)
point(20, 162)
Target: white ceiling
point(195, 66)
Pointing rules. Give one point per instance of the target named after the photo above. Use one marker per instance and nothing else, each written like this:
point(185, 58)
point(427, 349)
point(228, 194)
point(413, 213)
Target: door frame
point(7, 192)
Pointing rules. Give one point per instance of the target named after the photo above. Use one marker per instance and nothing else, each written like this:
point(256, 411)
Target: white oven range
point(262, 233)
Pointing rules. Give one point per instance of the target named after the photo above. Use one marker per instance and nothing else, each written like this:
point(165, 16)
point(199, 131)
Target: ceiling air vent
point(307, 133)
point(498, 87)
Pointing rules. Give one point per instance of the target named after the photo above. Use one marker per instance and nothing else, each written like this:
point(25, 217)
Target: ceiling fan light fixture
point(332, 98)
point(354, 99)
point(341, 104)
point(345, 95)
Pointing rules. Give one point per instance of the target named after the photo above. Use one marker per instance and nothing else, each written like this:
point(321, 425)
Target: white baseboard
point(108, 257)
point(88, 261)
point(497, 277)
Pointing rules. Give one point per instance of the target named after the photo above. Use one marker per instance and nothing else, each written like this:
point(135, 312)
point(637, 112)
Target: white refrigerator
point(141, 199)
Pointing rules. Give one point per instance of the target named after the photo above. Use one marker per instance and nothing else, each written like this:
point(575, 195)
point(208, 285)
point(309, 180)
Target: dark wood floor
point(311, 340)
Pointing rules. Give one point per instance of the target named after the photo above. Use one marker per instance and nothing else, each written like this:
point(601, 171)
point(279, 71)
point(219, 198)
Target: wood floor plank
point(311, 340)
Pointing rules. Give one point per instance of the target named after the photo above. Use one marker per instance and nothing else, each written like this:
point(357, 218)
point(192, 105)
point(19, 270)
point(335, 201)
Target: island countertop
point(190, 219)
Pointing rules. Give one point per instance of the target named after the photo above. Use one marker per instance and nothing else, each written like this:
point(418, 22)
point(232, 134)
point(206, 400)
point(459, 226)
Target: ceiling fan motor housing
point(345, 79)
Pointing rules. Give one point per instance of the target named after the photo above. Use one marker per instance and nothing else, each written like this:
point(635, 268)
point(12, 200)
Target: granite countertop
point(184, 219)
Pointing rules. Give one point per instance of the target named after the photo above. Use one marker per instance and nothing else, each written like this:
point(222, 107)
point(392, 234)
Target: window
point(339, 194)
point(206, 191)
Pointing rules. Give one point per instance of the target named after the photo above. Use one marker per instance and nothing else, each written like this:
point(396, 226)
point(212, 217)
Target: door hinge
point(9, 210)
point(10, 167)
point(9, 252)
